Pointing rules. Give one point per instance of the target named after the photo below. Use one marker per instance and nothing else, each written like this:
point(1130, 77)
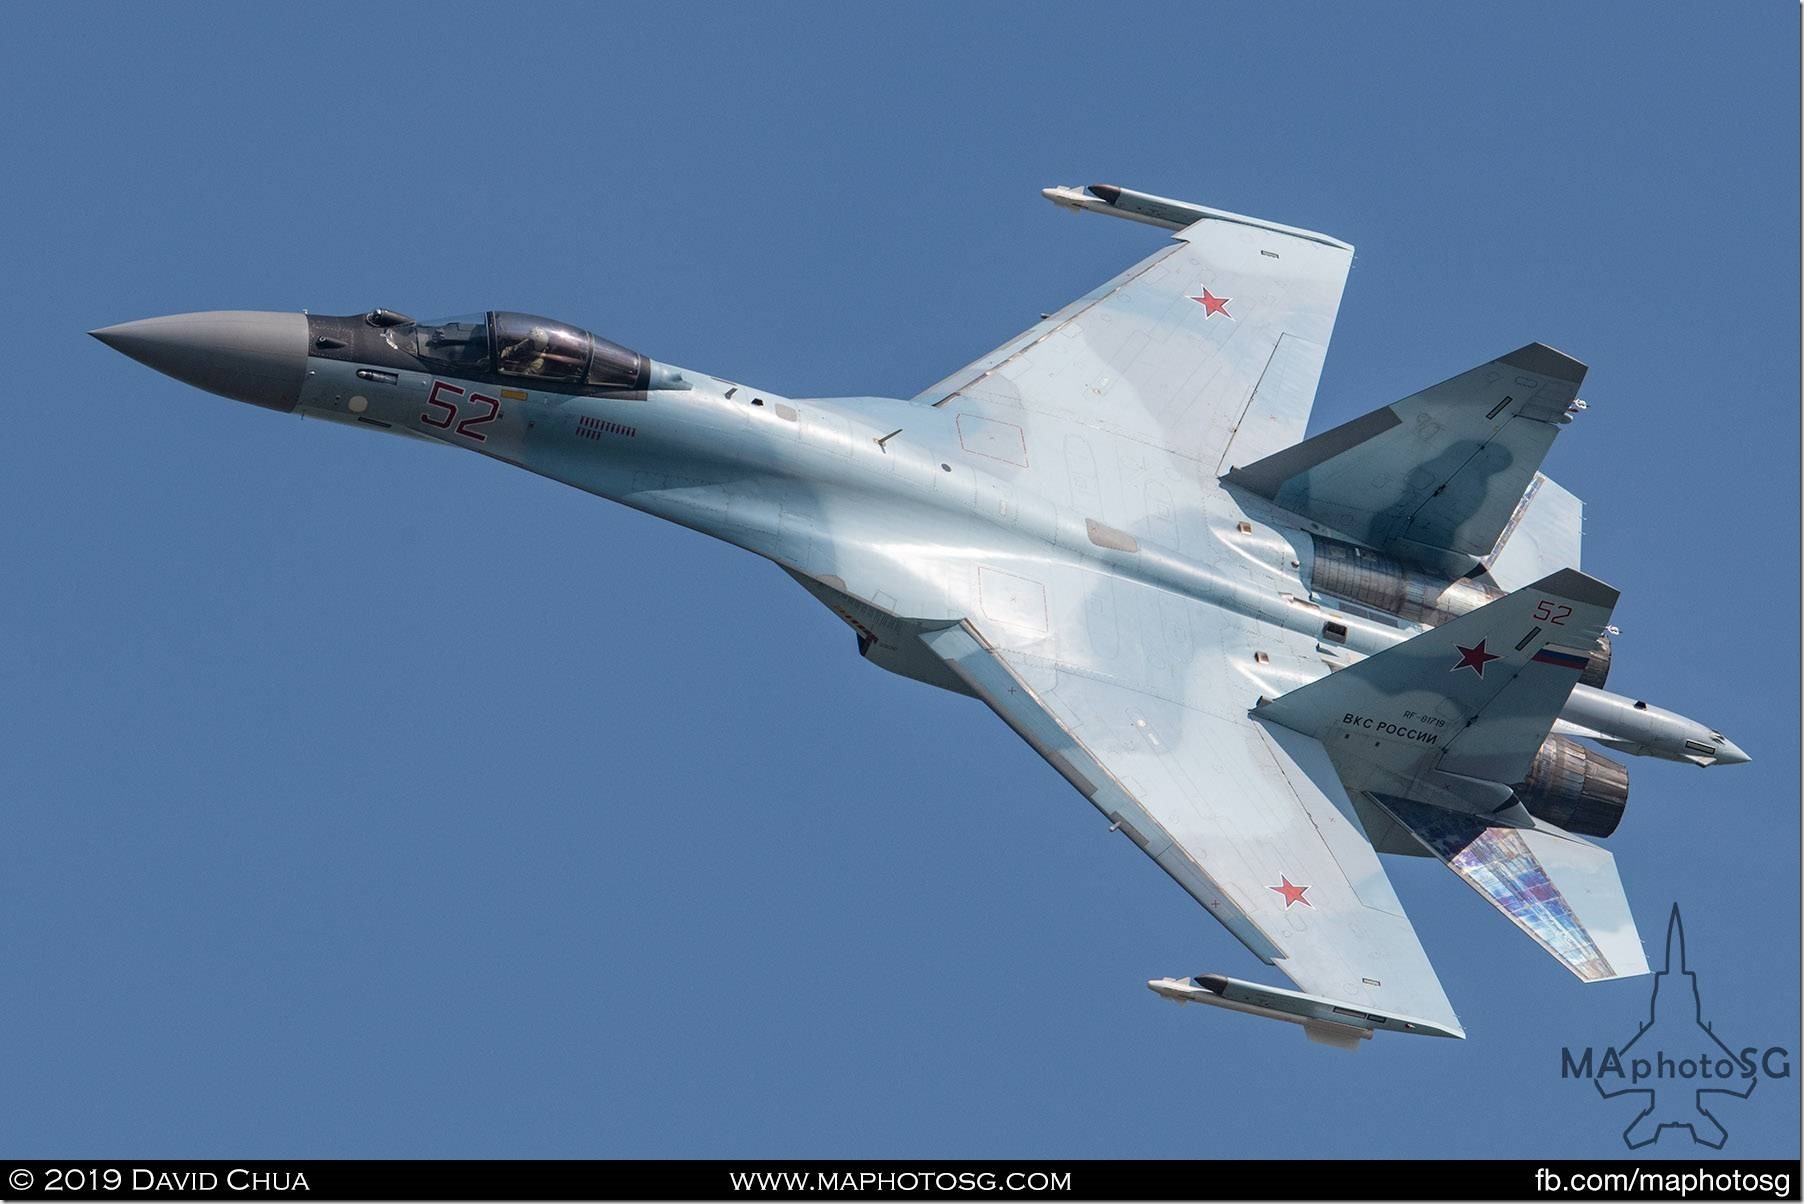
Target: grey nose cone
point(1728, 754)
point(247, 355)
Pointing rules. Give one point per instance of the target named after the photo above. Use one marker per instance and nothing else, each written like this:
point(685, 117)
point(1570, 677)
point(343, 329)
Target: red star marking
point(1292, 894)
point(1474, 659)
point(1213, 305)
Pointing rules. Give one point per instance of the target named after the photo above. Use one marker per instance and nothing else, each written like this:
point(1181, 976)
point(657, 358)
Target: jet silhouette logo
point(1675, 1061)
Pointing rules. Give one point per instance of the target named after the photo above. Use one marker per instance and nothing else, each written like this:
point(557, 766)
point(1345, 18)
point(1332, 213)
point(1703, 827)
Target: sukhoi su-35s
point(1265, 659)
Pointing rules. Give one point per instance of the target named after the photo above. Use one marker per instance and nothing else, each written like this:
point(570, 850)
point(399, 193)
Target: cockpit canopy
point(522, 345)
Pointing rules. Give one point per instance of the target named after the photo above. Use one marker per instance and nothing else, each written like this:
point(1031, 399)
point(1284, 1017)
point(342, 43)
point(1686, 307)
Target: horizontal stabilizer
point(1439, 475)
point(1561, 890)
point(1544, 535)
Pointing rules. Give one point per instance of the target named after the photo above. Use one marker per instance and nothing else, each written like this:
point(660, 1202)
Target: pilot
point(527, 355)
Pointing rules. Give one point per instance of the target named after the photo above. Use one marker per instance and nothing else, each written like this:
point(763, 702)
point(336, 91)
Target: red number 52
point(450, 409)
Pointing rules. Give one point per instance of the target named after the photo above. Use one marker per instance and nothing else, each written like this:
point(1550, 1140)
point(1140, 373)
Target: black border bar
point(752, 1179)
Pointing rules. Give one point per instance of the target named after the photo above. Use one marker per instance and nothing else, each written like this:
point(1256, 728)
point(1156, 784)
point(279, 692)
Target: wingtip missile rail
point(1328, 1021)
point(1164, 211)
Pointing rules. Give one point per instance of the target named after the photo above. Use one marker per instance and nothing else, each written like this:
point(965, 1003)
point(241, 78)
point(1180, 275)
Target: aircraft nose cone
point(1728, 754)
point(246, 355)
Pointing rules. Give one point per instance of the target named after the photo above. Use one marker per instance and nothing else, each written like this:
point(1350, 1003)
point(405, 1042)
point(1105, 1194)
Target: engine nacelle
point(1579, 789)
point(1386, 584)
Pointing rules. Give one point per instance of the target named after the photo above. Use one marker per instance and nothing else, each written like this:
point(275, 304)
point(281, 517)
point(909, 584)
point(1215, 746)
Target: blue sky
point(362, 799)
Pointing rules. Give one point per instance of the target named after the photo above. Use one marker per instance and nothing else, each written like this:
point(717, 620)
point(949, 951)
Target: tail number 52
point(1553, 612)
point(435, 402)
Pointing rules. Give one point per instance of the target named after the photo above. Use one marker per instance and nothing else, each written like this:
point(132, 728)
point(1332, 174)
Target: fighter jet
point(1265, 659)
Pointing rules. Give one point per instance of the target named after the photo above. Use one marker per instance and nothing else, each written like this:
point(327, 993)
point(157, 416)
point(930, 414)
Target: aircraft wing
point(1247, 816)
point(1148, 701)
point(1210, 349)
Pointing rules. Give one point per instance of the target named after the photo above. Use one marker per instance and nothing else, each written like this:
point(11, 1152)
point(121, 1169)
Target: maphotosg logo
point(1676, 1062)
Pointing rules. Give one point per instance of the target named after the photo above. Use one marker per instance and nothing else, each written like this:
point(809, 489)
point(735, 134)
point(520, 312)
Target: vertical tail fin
point(1460, 710)
point(1435, 477)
